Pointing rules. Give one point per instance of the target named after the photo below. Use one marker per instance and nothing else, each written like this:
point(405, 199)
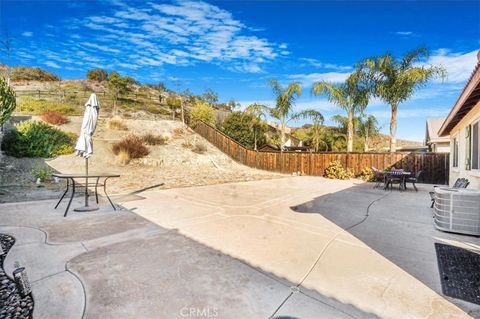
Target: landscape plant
point(133, 145)
point(367, 128)
point(54, 118)
point(257, 125)
point(117, 124)
point(210, 96)
point(7, 101)
point(36, 139)
point(152, 139)
point(202, 112)
point(32, 106)
point(244, 129)
point(367, 174)
point(98, 75)
point(42, 173)
point(118, 85)
point(284, 104)
point(352, 96)
point(26, 73)
point(335, 170)
point(395, 80)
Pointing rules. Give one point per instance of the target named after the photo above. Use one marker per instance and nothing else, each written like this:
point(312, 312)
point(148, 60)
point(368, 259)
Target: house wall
point(459, 131)
point(443, 147)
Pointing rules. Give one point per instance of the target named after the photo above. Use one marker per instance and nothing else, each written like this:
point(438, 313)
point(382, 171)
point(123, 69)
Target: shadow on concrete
point(398, 225)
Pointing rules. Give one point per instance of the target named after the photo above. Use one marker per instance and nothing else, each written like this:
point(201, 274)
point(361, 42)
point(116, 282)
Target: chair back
point(397, 172)
point(419, 174)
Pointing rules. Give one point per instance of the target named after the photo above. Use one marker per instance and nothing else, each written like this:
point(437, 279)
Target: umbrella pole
point(86, 182)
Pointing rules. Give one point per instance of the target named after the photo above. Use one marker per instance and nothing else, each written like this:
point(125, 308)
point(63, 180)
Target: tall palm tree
point(352, 96)
point(368, 127)
point(285, 101)
point(395, 80)
point(258, 112)
point(342, 122)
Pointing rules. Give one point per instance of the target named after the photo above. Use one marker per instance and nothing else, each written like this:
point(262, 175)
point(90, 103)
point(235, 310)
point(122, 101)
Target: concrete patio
point(299, 247)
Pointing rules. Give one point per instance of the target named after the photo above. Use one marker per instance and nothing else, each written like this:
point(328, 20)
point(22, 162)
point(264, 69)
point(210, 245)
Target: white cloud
point(308, 78)
point(27, 34)
point(318, 64)
point(459, 66)
point(52, 64)
point(413, 113)
point(404, 33)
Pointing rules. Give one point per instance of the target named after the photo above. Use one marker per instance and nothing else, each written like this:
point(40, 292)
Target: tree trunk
point(282, 134)
point(183, 113)
point(350, 132)
point(393, 129)
point(255, 137)
point(365, 145)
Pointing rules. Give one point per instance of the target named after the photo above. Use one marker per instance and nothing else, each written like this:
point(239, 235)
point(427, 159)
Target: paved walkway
point(245, 250)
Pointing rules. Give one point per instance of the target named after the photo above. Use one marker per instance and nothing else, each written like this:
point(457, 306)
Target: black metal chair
point(395, 176)
point(379, 177)
point(414, 179)
point(459, 183)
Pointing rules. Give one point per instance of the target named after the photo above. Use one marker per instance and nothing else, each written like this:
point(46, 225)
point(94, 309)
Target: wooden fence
point(434, 165)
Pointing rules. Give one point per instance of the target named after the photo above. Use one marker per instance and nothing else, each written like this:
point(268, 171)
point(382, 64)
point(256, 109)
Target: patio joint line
point(325, 249)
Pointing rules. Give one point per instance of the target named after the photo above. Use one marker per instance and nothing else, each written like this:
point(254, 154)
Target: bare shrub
point(199, 148)
point(54, 117)
point(151, 139)
point(131, 144)
point(178, 133)
point(117, 124)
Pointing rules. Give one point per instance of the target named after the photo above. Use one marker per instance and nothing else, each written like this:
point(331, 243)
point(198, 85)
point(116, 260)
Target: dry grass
point(123, 157)
point(133, 145)
point(54, 117)
point(199, 148)
point(117, 124)
point(178, 133)
point(151, 139)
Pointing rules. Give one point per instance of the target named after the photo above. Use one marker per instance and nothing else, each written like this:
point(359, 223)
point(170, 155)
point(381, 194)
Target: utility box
point(457, 210)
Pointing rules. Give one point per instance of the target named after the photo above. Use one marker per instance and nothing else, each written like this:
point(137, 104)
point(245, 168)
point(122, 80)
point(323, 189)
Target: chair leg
point(415, 186)
point(71, 198)
point(105, 191)
point(433, 203)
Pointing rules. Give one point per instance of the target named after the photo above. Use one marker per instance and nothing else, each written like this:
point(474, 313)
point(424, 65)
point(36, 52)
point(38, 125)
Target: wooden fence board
point(434, 165)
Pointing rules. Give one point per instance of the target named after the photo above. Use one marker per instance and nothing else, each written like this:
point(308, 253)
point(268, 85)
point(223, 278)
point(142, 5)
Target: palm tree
point(317, 135)
point(352, 96)
point(342, 122)
point(258, 112)
point(367, 128)
point(395, 80)
point(283, 110)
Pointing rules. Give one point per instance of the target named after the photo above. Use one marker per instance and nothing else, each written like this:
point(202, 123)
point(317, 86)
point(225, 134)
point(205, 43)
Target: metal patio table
point(71, 179)
point(404, 176)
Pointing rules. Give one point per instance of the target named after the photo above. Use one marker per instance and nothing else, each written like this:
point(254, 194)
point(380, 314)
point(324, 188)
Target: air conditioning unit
point(457, 210)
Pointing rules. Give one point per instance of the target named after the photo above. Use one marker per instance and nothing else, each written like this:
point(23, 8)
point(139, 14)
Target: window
point(475, 144)
point(455, 152)
point(468, 147)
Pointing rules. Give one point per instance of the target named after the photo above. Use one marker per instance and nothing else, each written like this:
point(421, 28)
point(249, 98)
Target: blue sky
point(235, 47)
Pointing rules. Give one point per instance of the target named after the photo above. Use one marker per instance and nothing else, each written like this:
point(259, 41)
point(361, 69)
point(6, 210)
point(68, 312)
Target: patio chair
point(395, 176)
point(414, 179)
point(379, 177)
point(459, 183)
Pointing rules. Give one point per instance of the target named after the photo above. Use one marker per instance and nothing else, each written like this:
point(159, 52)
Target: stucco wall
point(441, 147)
point(459, 132)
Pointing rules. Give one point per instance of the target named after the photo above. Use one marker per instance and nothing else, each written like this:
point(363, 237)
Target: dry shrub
point(123, 157)
point(54, 117)
point(133, 145)
point(178, 133)
point(199, 148)
point(117, 124)
point(151, 139)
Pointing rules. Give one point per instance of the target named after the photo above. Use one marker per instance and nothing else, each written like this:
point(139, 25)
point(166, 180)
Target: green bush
point(202, 112)
point(244, 128)
point(42, 173)
point(98, 75)
point(335, 170)
point(30, 105)
point(7, 101)
point(36, 139)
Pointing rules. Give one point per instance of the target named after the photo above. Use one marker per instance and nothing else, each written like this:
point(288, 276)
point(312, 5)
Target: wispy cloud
point(52, 64)
point(178, 33)
point(307, 79)
point(318, 64)
point(27, 34)
point(404, 33)
point(459, 65)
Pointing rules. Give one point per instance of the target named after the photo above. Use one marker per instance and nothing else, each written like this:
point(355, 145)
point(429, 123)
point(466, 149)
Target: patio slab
point(298, 247)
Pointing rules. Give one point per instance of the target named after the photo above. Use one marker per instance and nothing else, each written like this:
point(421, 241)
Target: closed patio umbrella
point(84, 147)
